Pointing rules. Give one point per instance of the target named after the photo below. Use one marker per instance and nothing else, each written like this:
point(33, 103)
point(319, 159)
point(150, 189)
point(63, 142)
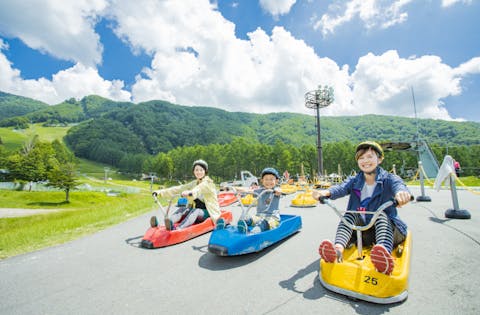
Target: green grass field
point(87, 212)
point(15, 139)
point(97, 170)
point(469, 181)
point(11, 139)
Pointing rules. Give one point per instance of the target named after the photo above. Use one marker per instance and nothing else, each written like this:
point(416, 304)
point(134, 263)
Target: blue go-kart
point(230, 242)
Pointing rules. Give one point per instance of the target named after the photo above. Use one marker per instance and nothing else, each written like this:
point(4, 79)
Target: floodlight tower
point(319, 98)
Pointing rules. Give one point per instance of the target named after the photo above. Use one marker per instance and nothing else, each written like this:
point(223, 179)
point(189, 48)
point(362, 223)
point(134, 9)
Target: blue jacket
point(387, 186)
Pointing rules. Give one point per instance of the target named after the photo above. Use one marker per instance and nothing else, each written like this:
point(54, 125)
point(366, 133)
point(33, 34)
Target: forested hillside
point(163, 137)
point(158, 126)
point(107, 130)
point(13, 105)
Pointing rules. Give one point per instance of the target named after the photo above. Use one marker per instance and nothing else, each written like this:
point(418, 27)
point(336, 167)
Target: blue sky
point(251, 55)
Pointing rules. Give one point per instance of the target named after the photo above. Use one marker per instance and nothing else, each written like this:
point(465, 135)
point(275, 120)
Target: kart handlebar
point(257, 196)
point(392, 202)
point(162, 209)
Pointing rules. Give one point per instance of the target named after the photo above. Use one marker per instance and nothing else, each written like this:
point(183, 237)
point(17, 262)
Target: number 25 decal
point(371, 280)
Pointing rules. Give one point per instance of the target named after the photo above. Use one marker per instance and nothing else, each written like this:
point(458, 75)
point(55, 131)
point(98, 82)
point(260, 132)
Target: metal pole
point(422, 197)
point(106, 169)
point(456, 212)
point(453, 189)
point(322, 97)
point(319, 145)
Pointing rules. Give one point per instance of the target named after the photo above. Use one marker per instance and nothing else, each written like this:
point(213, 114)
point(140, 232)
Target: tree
point(62, 154)
point(62, 175)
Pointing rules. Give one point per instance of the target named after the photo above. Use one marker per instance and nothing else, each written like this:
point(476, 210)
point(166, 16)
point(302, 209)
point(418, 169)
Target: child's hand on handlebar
point(402, 197)
point(186, 193)
point(317, 194)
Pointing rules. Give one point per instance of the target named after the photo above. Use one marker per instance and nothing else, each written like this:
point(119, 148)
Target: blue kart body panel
point(230, 242)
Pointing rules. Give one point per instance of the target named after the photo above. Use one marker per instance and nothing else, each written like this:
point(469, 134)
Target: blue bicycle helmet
point(270, 170)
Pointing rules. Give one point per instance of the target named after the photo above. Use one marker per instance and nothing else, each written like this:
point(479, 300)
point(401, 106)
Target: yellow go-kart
point(356, 277)
point(248, 200)
point(322, 184)
point(288, 189)
point(304, 200)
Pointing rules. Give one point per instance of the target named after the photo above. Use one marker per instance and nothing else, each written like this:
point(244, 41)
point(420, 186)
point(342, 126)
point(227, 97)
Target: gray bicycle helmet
point(202, 163)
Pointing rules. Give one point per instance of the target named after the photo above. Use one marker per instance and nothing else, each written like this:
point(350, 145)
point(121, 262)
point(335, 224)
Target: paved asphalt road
point(107, 273)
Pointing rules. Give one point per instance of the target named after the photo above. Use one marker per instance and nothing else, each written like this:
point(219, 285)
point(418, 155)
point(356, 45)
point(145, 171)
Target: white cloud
point(262, 74)
point(198, 60)
point(373, 13)
point(277, 7)
point(273, 73)
point(166, 26)
point(63, 29)
point(382, 84)
point(80, 80)
point(470, 67)
point(77, 81)
point(448, 3)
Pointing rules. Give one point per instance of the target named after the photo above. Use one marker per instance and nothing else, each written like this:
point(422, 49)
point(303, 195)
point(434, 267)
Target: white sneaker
point(256, 230)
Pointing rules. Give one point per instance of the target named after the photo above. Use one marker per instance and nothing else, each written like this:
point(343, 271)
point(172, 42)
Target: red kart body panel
point(226, 198)
point(156, 237)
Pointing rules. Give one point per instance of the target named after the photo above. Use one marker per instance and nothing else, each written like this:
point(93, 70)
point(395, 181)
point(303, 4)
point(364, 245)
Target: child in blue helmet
point(370, 188)
point(267, 216)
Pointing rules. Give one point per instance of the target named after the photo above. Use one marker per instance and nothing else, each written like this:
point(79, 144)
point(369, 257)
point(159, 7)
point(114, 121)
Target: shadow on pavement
point(444, 221)
point(134, 241)
point(213, 262)
point(313, 293)
point(317, 291)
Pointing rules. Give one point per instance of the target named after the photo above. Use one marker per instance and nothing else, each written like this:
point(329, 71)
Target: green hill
point(14, 105)
point(107, 130)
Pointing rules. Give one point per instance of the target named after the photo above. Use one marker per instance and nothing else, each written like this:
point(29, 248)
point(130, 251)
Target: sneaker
point(256, 230)
point(381, 259)
point(220, 224)
point(153, 222)
point(327, 251)
point(242, 227)
point(169, 224)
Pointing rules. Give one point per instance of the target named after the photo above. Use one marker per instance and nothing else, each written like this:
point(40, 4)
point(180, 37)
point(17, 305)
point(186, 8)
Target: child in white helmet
point(205, 203)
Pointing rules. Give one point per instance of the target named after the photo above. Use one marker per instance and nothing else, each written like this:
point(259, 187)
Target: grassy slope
point(14, 139)
point(88, 212)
